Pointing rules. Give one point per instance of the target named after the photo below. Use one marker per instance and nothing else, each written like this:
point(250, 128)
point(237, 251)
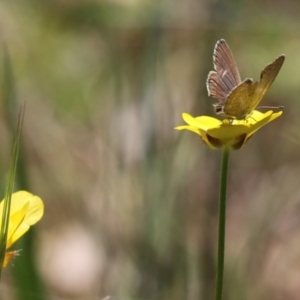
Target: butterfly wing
point(226, 76)
point(267, 77)
point(216, 87)
point(237, 104)
point(246, 96)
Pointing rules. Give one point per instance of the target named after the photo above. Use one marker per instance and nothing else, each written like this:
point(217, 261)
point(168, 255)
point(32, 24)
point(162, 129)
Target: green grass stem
point(222, 223)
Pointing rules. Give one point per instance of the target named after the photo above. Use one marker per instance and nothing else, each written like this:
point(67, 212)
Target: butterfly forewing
point(226, 75)
point(225, 65)
point(267, 77)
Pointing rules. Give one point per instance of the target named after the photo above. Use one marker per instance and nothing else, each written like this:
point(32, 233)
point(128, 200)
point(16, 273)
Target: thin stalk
point(222, 223)
point(10, 186)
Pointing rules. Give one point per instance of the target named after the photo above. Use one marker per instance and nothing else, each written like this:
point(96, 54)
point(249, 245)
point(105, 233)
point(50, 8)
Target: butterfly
point(237, 99)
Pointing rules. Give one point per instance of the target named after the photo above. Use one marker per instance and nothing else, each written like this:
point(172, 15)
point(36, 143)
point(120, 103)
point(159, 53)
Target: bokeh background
point(130, 203)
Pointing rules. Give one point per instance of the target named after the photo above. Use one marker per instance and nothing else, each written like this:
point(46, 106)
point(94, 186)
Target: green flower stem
point(222, 221)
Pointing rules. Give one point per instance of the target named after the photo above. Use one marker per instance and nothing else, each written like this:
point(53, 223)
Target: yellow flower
point(234, 134)
point(26, 210)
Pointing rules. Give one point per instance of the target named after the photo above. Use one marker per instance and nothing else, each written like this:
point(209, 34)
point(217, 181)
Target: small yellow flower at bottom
point(26, 210)
point(229, 133)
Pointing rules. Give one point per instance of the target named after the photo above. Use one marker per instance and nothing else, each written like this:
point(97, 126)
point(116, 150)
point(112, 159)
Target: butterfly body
point(237, 99)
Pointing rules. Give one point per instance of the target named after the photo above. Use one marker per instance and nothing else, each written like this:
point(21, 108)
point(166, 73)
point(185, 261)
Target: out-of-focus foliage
point(130, 203)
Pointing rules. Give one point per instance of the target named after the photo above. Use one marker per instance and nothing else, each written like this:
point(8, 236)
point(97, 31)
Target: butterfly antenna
point(271, 107)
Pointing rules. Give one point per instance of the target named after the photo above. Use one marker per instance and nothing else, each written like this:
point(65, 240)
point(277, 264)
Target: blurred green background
point(130, 203)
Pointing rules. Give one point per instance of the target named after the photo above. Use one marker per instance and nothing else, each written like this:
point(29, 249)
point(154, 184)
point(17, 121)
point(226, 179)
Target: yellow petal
point(229, 133)
point(262, 121)
point(203, 122)
point(26, 209)
point(187, 127)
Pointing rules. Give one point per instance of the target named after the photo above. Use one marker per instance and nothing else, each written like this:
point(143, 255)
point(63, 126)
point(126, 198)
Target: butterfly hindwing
point(216, 88)
point(237, 104)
